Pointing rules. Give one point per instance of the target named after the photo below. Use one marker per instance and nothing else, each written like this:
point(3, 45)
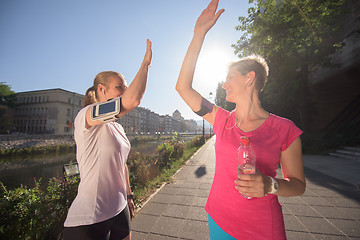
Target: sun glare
point(212, 67)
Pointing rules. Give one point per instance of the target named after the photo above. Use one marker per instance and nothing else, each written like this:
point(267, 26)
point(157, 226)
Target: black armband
point(206, 107)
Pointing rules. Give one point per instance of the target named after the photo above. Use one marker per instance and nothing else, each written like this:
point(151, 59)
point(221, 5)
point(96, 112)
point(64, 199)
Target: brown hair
point(253, 63)
point(91, 95)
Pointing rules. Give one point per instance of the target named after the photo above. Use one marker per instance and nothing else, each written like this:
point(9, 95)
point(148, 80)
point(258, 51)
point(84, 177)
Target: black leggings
point(117, 227)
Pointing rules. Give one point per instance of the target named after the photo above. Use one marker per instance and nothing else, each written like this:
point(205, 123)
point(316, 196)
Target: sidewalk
point(329, 209)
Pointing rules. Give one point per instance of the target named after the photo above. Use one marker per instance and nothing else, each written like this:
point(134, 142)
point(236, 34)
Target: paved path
point(329, 209)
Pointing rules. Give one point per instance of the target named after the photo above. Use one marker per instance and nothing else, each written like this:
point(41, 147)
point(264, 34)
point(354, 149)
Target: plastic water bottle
point(246, 158)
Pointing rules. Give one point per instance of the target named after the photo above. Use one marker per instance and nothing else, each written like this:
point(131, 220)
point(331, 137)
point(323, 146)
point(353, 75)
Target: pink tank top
point(257, 218)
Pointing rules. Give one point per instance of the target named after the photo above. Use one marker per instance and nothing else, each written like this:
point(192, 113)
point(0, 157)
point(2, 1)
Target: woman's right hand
point(208, 18)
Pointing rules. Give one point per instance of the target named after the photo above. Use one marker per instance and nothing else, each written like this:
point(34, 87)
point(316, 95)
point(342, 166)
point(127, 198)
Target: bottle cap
point(245, 140)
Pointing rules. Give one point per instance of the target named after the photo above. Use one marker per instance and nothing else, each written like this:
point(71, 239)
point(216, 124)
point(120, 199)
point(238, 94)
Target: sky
point(64, 44)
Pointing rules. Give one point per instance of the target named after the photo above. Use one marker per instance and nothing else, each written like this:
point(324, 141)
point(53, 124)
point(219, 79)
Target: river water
point(26, 171)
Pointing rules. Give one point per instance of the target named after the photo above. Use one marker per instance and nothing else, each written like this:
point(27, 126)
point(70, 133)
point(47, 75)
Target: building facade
point(47, 111)
point(53, 112)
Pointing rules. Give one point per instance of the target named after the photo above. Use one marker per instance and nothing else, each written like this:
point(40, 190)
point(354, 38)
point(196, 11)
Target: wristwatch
point(130, 196)
point(274, 186)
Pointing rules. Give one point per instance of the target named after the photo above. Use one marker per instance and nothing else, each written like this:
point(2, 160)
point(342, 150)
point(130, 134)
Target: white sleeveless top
point(101, 153)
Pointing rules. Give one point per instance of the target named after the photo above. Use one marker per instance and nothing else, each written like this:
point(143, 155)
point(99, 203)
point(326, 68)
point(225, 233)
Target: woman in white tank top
point(103, 206)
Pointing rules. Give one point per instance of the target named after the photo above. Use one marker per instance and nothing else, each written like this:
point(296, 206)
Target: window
point(69, 100)
point(68, 112)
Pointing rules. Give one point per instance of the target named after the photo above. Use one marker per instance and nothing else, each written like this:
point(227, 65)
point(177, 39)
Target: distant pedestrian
point(103, 207)
point(275, 140)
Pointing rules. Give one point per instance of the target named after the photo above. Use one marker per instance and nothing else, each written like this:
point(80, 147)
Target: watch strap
point(274, 186)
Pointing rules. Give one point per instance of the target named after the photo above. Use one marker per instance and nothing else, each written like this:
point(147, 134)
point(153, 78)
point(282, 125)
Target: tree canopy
point(7, 99)
point(220, 98)
point(7, 96)
point(295, 37)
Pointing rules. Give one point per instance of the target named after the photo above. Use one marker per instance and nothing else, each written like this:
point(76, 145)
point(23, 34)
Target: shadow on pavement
point(201, 171)
point(344, 188)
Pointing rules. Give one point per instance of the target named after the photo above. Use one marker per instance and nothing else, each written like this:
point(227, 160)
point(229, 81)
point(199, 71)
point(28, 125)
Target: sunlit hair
point(254, 63)
point(91, 95)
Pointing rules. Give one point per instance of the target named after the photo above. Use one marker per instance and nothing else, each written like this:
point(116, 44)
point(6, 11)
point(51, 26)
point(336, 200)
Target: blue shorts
point(216, 233)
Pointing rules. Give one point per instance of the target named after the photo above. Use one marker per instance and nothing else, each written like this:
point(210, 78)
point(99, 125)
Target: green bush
point(142, 168)
point(165, 154)
point(178, 149)
point(31, 213)
point(197, 141)
point(35, 214)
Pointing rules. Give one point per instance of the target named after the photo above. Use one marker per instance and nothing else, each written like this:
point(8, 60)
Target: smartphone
point(106, 111)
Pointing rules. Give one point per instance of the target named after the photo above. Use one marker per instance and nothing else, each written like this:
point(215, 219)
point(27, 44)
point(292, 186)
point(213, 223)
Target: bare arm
point(204, 23)
point(129, 192)
point(134, 93)
point(294, 182)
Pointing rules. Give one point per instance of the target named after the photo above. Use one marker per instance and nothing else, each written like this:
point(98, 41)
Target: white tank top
point(101, 153)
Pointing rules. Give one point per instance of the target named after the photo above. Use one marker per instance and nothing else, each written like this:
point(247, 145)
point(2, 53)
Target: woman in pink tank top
point(274, 139)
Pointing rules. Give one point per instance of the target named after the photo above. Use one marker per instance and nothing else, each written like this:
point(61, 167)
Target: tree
point(7, 96)
point(7, 103)
point(295, 37)
point(220, 98)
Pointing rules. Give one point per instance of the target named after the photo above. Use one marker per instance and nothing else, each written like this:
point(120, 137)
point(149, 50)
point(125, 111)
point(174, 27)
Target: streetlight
point(203, 131)
point(210, 96)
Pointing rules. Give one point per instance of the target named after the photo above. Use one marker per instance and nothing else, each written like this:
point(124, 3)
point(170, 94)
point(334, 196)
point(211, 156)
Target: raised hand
point(208, 18)
point(148, 54)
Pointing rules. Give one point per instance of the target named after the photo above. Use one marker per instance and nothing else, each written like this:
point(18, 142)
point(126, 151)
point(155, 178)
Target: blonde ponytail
point(90, 96)
point(102, 78)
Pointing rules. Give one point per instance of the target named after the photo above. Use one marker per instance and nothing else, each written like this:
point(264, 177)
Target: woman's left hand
point(253, 185)
point(131, 208)
point(148, 54)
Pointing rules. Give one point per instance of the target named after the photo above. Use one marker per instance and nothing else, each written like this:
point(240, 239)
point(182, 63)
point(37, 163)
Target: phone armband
point(106, 111)
point(206, 107)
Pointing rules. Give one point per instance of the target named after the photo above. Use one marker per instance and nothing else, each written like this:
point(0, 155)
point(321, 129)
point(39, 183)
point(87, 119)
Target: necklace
point(235, 124)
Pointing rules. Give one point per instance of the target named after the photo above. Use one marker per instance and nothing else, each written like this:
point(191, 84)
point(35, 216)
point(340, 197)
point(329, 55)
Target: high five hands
point(208, 18)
